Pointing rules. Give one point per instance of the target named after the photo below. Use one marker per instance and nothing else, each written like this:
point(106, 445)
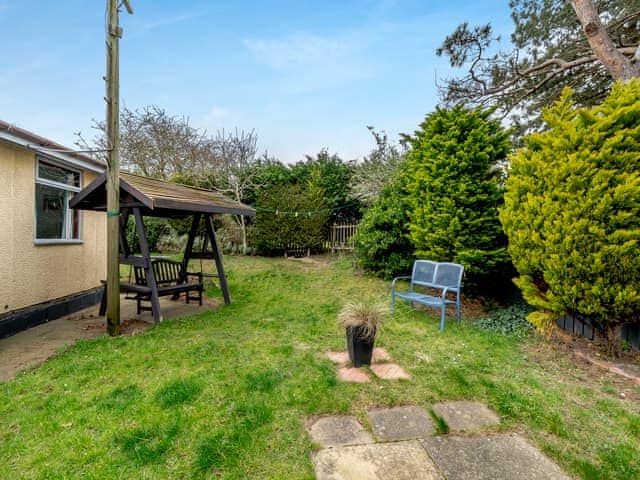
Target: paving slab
point(494, 457)
point(389, 371)
point(337, 431)
point(401, 423)
point(353, 374)
point(341, 358)
point(464, 415)
point(380, 461)
point(380, 355)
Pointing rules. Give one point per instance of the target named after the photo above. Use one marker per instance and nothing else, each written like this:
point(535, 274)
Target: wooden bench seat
point(428, 276)
point(169, 280)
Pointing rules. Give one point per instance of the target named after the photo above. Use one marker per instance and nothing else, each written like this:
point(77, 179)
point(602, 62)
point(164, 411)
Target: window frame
point(63, 186)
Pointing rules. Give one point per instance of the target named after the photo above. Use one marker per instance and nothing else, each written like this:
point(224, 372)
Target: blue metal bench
point(443, 276)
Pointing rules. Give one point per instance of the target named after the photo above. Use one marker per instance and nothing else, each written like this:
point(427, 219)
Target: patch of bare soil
point(36, 345)
point(128, 328)
point(313, 263)
point(581, 362)
point(473, 308)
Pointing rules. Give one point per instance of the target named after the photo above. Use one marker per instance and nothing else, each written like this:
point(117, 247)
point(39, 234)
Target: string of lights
point(305, 212)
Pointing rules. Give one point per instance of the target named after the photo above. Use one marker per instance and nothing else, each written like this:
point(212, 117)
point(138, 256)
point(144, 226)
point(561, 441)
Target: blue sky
point(305, 75)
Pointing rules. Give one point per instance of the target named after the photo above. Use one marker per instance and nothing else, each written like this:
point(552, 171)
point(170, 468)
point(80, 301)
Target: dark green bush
point(154, 229)
point(382, 243)
point(290, 218)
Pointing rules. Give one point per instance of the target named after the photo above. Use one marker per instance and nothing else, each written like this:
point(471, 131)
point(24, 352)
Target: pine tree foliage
point(454, 192)
point(572, 210)
point(382, 243)
point(550, 52)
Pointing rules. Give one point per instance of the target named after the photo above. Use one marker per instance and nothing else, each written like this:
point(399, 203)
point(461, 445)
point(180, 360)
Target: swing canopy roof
point(157, 198)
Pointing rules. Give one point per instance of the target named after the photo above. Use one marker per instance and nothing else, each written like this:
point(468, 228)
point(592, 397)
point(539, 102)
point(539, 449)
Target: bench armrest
point(393, 283)
point(198, 275)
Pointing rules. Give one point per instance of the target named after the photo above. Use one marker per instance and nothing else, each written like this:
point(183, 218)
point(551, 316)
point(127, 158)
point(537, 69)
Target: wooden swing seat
point(169, 279)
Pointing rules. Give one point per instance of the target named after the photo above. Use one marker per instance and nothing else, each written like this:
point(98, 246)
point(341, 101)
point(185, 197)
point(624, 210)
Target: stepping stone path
point(400, 423)
point(463, 416)
point(505, 456)
point(339, 431)
point(405, 446)
point(381, 367)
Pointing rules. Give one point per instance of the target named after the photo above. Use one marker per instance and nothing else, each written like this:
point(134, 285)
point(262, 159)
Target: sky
point(304, 75)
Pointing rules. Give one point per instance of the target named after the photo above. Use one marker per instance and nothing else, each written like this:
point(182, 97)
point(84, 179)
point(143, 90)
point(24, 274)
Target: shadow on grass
point(222, 450)
point(120, 398)
point(150, 444)
point(178, 392)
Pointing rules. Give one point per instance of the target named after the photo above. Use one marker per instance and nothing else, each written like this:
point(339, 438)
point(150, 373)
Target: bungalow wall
point(33, 272)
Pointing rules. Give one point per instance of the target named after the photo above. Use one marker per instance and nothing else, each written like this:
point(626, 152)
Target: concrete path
point(403, 445)
point(34, 346)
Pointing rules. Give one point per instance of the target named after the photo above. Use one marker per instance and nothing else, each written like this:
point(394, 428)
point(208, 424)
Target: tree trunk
point(619, 66)
point(614, 339)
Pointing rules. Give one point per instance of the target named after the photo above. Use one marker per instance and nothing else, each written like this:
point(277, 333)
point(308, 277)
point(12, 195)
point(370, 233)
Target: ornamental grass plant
point(367, 314)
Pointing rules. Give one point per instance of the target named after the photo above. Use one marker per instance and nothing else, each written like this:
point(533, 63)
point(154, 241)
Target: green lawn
point(226, 394)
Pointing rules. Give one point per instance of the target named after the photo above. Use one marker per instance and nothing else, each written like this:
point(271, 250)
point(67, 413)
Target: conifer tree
point(572, 212)
point(454, 192)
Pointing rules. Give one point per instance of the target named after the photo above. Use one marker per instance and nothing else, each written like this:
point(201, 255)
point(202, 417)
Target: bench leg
point(442, 313)
point(458, 308)
point(393, 304)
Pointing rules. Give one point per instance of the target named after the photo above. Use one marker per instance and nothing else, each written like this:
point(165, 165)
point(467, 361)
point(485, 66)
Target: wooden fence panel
point(341, 237)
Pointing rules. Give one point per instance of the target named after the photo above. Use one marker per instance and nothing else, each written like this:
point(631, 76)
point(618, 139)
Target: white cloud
point(216, 113)
point(152, 24)
point(218, 118)
point(309, 62)
point(300, 49)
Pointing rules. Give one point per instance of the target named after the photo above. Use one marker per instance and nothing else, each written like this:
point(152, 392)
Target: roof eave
point(25, 139)
point(164, 204)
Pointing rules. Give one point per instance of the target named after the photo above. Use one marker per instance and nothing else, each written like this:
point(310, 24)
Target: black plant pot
point(360, 348)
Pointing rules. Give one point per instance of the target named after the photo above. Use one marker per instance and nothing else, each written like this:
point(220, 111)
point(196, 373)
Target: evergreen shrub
point(290, 217)
point(382, 244)
point(454, 187)
point(572, 212)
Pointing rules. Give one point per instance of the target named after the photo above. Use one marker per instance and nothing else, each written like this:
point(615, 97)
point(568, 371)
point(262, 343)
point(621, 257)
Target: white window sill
point(58, 241)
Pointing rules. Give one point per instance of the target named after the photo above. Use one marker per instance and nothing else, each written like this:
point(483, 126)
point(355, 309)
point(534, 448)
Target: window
point(55, 186)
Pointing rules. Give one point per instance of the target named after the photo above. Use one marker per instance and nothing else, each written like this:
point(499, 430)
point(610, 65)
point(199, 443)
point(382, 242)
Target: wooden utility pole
point(114, 33)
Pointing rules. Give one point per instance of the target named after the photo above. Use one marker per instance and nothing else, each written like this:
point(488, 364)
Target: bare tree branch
point(551, 52)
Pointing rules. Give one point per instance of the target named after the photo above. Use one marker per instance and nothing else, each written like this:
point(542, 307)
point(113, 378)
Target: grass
point(226, 394)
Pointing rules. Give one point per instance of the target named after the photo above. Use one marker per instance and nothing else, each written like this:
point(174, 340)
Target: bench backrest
point(428, 273)
point(449, 274)
point(423, 272)
point(164, 271)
